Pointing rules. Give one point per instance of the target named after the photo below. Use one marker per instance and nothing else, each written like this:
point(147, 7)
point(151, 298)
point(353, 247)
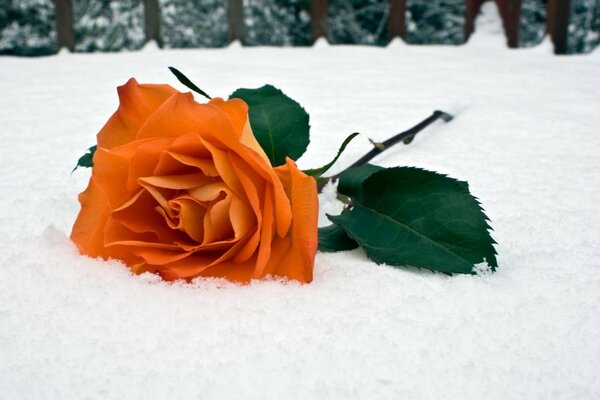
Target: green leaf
point(279, 123)
point(318, 172)
point(351, 181)
point(412, 217)
point(334, 238)
point(187, 82)
point(86, 160)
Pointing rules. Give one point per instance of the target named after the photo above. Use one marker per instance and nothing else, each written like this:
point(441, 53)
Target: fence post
point(152, 21)
point(512, 22)
point(63, 17)
point(557, 23)
point(235, 20)
point(396, 19)
point(318, 19)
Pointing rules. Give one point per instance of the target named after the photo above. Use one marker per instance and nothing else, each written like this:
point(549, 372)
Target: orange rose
point(184, 190)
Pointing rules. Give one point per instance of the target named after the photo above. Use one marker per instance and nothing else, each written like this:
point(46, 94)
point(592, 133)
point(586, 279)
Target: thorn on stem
point(377, 145)
point(408, 140)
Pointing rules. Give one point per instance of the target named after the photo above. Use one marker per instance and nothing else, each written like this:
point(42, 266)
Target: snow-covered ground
point(526, 137)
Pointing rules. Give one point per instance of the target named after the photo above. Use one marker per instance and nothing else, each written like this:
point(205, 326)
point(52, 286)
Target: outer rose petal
point(237, 111)
point(88, 230)
point(136, 103)
point(299, 260)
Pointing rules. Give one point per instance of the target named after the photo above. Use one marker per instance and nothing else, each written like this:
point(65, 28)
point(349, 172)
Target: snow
point(525, 136)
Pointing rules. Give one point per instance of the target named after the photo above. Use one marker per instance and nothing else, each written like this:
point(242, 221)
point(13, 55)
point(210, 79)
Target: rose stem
point(378, 148)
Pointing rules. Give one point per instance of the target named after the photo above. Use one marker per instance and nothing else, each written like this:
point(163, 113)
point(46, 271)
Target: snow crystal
point(525, 137)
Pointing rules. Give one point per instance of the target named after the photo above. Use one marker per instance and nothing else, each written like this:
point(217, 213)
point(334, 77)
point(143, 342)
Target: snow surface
point(525, 137)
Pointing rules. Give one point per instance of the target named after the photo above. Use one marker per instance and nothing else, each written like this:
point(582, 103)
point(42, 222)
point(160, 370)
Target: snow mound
point(321, 43)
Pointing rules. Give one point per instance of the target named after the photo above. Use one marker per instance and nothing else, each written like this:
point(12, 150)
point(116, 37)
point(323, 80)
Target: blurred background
point(42, 27)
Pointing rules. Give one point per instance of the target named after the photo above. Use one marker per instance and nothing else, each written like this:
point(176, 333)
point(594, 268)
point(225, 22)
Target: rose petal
point(209, 191)
point(266, 236)
point(249, 248)
point(178, 182)
point(180, 115)
point(190, 144)
point(190, 268)
point(231, 270)
point(241, 216)
point(117, 234)
point(188, 264)
point(110, 174)
point(216, 222)
point(88, 230)
point(143, 162)
point(237, 111)
point(136, 103)
point(251, 183)
point(138, 214)
point(225, 169)
point(283, 217)
point(190, 215)
point(185, 267)
point(248, 139)
point(171, 162)
point(299, 261)
point(280, 247)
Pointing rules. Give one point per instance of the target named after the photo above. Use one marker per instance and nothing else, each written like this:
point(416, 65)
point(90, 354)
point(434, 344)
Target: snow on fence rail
point(557, 20)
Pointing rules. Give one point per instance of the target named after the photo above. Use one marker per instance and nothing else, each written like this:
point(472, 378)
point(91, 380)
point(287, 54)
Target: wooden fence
point(557, 20)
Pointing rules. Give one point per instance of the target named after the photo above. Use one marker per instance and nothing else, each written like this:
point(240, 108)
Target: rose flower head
point(184, 190)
